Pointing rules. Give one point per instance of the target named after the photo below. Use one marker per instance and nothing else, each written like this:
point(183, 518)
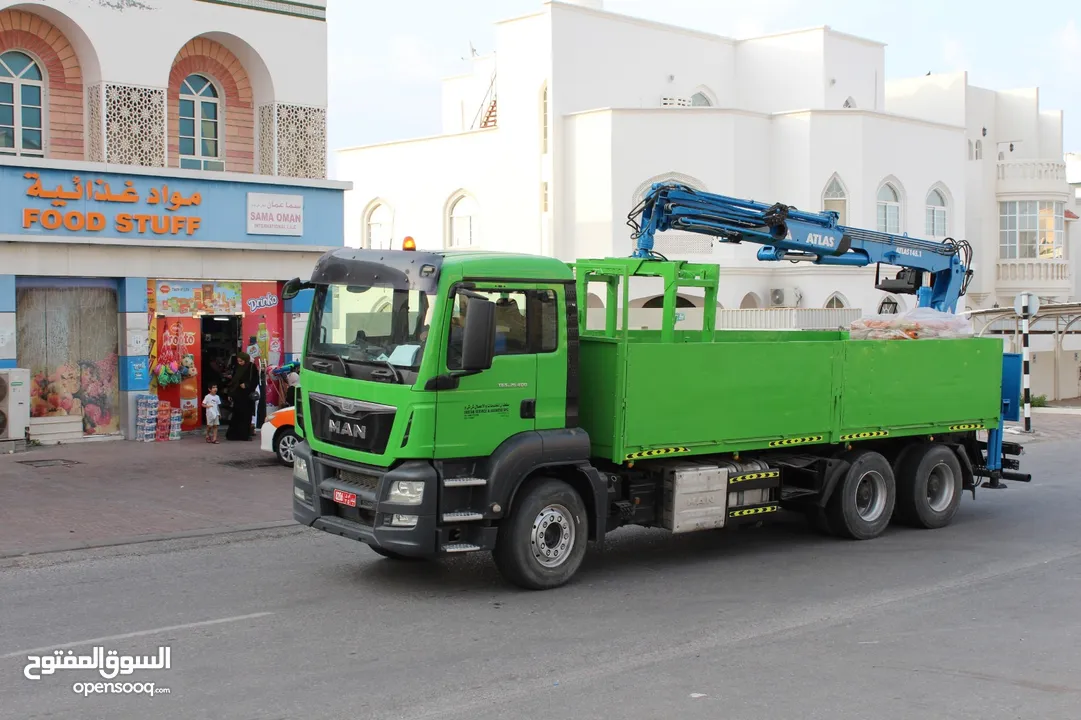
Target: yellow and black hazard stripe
point(769, 474)
point(657, 452)
point(865, 435)
point(787, 442)
point(967, 426)
point(746, 512)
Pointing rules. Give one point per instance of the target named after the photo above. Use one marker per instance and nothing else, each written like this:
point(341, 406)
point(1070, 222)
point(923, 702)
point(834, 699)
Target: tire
point(529, 550)
point(863, 501)
point(284, 442)
point(391, 555)
point(929, 486)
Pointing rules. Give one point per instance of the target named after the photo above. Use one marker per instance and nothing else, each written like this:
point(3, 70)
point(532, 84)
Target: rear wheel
point(929, 483)
point(863, 501)
point(542, 544)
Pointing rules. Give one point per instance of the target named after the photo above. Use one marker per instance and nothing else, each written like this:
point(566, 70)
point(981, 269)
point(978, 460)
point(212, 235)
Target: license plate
point(345, 498)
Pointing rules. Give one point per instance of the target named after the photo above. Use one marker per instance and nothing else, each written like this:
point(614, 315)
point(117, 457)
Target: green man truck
point(458, 402)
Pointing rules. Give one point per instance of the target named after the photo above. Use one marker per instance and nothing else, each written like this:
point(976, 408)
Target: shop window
point(200, 125)
point(21, 106)
point(68, 340)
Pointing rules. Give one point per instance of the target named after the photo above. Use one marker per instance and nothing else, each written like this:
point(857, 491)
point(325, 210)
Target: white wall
point(156, 35)
point(605, 60)
point(417, 179)
point(938, 98)
point(854, 68)
point(782, 72)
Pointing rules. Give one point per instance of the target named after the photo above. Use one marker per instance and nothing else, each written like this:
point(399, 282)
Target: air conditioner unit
point(785, 297)
point(14, 403)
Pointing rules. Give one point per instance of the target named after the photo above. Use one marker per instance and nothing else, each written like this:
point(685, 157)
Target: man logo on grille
point(353, 430)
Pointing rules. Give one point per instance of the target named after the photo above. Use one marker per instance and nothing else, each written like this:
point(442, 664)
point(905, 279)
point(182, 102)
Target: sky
point(387, 58)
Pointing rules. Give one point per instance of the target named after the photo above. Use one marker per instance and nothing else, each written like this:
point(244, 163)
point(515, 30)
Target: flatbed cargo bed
point(750, 390)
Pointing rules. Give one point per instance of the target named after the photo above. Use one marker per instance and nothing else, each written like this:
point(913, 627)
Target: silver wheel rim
point(871, 496)
point(940, 487)
point(285, 447)
point(552, 537)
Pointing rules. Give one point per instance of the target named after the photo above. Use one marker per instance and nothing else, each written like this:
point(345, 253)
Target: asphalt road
point(979, 620)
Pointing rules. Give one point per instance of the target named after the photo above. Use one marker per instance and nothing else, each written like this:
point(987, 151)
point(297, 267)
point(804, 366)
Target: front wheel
point(543, 542)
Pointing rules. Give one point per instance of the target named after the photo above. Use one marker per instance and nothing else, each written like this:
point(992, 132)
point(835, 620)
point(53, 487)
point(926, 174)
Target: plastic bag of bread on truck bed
point(918, 324)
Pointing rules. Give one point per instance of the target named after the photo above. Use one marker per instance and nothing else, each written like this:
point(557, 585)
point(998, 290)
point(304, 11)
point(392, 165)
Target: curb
point(1056, 411)
point(140, 539)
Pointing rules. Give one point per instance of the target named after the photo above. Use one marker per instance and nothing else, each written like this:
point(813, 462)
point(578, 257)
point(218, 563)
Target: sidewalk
point(116, 491)
point(1048, 425)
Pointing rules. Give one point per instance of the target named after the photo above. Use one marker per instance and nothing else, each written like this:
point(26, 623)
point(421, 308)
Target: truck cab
point(433, 383)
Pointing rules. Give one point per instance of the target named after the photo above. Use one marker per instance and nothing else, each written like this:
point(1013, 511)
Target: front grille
point(351, 424)
point(359, 480)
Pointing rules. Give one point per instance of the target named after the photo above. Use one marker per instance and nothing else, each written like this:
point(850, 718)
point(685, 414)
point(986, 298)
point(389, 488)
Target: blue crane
point(797, 236)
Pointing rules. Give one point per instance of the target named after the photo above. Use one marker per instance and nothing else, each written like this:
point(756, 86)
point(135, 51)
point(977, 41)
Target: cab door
point(485, 409)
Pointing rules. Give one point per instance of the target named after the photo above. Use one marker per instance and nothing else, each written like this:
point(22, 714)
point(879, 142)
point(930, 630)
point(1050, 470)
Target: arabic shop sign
point(275, 214)
point(91, 204)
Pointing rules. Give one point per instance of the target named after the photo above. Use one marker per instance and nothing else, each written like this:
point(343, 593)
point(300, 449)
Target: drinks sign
point(275, 214)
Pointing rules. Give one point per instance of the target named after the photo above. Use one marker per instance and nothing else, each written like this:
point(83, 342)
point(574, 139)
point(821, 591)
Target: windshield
point(376, 325)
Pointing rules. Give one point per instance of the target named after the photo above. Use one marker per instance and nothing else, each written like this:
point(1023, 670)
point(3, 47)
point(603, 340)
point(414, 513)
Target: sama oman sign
point(275, 214)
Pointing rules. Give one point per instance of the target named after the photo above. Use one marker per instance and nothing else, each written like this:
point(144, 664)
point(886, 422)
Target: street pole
point(1024, 366)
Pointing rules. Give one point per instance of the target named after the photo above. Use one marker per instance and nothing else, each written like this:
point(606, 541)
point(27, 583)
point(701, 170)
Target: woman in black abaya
point(240, 391)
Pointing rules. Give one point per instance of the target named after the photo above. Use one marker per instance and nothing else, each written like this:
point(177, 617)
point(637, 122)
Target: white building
point(548, 144)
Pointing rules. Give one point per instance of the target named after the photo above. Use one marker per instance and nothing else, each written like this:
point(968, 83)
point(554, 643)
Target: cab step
point(462, 516)
point(464, 482)
point(460, 547)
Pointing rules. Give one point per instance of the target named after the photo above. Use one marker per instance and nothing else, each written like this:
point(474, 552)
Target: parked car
point(277, 435)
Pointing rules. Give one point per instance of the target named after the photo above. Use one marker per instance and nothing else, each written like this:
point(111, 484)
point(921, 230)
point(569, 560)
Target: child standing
point(212, 403)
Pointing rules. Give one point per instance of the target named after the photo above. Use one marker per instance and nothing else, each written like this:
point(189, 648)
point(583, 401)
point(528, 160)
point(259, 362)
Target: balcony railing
point(1032, 176)
point(1044, 277)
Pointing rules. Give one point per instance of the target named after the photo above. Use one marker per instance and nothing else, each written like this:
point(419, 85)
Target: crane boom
point(798, 236)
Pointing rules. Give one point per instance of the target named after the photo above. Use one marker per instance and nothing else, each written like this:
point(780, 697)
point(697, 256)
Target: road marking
point(140, 633)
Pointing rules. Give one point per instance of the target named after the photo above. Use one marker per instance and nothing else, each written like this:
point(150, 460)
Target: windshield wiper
point(339, 358)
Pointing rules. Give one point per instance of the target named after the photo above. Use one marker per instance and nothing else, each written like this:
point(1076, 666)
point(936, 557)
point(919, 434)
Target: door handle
point(529, 409)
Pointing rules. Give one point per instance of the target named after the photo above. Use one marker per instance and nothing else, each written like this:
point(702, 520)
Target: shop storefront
point(114, 284)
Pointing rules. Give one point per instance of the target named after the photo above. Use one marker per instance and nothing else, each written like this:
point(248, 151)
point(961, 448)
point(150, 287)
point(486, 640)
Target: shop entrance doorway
point(221, 341)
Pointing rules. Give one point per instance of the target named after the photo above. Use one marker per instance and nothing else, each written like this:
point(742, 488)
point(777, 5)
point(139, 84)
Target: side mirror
point(478, 335)
point(292, 288)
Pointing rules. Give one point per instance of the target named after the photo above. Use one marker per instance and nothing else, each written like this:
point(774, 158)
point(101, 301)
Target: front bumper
point(370, 521)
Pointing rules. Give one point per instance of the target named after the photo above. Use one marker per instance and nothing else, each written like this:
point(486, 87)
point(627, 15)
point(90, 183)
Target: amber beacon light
point(409, 243)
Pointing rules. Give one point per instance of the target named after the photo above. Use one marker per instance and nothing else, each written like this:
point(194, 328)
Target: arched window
point(850, 104)
point(657, 302)
point(750, 301)
point(888, 306)
point(700, 99)
point(22, 106)
point(836, 302)
point(378, 230)
point(971, 153)
point(544, 119)
point(200, 124)
point(979, 149)
point(889, 209)
point(464, 223)
point(936, 214)
point(834, 198)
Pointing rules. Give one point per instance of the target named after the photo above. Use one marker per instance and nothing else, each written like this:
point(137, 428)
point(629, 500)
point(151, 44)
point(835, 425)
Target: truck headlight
point(300, 469)
point(406, 492)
